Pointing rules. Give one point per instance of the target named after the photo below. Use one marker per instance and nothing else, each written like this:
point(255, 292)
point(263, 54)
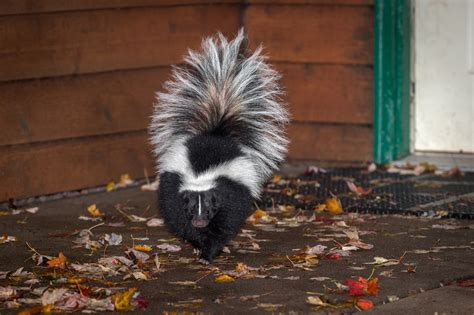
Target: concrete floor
point(436, 253)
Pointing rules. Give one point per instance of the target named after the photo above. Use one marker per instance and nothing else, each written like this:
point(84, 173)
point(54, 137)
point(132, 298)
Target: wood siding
point(78, 80)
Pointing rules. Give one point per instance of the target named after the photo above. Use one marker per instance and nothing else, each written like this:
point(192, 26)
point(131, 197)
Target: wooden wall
point(77, 80)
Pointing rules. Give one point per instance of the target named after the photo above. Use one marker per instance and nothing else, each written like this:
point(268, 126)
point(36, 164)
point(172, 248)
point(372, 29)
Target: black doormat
point(381, 192)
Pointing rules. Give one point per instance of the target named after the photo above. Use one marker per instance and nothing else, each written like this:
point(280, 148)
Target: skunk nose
point(199, 222)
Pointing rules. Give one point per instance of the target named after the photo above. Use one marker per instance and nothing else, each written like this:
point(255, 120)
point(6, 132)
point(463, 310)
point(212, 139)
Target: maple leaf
point(334, 206)
point(356, 287)
point(94, 211)
point(364, 304)
point(372, 287)
point(363, 286)
point(58, 262)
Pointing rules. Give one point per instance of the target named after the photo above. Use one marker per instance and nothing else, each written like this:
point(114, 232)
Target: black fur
point(218, 133)
point(206, 151)
point(233, 208)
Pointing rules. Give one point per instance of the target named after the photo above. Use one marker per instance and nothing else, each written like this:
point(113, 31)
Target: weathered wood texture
point(325, 142)
point(72, 107)
point(46, 45)
point(71, 164)
point(78, 80)
point(313, 34)
point(328, 93)
point(120, 101)
point(9, 7)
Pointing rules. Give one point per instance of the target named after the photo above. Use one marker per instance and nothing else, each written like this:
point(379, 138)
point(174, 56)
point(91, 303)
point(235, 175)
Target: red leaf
point(364, 304)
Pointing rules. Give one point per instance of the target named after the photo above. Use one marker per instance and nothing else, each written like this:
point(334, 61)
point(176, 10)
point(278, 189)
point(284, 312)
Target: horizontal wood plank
point(9, 7)
point(323, 142)
point(71, 107)
point(35, 46)
point(31, 170)
point(312, 34)
point(328, 93)
point(120, 101)
point(323, 2)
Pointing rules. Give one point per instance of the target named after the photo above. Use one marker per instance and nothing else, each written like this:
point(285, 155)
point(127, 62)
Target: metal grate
point(425, 195)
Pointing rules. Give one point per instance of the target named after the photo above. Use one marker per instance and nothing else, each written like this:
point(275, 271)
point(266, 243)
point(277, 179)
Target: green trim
point(392, 79)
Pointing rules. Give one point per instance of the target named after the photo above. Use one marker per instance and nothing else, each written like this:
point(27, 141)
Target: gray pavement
point(423, 259)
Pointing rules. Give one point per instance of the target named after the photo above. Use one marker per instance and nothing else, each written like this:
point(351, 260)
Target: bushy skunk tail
point(224, 90)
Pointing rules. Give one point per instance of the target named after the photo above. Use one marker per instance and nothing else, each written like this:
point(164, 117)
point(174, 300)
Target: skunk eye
point(213, 199)
point(186, 200)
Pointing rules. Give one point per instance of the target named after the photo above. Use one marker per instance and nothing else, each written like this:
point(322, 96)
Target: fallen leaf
point(372, 167)
point(334, 205)
point(113, 239)
point(7, 293)
point(363, 286)
point(84, 218)
point(110, 186)
point(155, 222)
point(143, 248)
point(51, 297)
point(122, 300)
point(169, 247)
point(58, 262)
point(315, 250)
point(94, 211)
point(125, 180)
point(360, 191)
point(6, 239)
point(224, 278)
point(32, 210)
point(269, 307)
point(364, 304)
point(320, 208)
point(316, 300)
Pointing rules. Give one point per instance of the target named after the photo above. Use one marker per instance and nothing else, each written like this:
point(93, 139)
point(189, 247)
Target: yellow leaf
point(122, 300)
point(320, 208)
point(143, 248)
point(94, 211)
point(58, 262)
point(241, 268)
point(259, 214)
point(334, 206)
point(76, 280)
point(125, 180)
point(224, 278)
point(110, 186)
point(276, 178)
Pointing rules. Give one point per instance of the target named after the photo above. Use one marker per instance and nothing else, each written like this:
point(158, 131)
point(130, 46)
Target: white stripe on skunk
point(240, 169)
point(224, 88)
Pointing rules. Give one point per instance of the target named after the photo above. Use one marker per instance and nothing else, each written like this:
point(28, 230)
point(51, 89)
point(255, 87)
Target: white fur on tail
point(227, 89)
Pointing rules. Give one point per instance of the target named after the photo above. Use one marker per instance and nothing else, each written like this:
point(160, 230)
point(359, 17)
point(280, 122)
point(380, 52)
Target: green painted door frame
point(392, 79)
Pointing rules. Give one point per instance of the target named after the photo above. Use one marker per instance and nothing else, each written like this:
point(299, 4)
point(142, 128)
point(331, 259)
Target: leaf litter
point(58, 284)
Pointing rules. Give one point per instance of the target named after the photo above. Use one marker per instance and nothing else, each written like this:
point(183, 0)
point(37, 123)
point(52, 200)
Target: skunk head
point(200, 206)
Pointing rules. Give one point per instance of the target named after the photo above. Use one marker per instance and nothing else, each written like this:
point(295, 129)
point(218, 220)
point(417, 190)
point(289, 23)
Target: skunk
point(218, 134)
